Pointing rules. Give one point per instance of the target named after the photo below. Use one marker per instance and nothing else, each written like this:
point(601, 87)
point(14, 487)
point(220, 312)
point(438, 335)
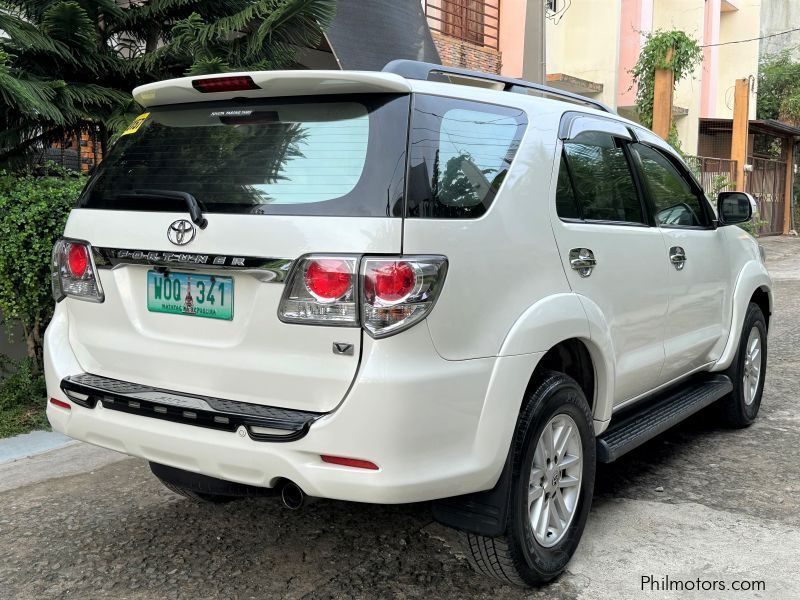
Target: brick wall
point(458, 53)
point(89, 150)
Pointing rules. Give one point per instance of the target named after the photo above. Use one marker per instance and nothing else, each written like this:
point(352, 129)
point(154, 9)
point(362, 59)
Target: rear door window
point(330, 156)
point(460, 154)
point(601, 180)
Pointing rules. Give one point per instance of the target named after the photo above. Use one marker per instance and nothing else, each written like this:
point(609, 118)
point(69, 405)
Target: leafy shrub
point(22, 382)
point(753, 225)
point(33, 212)
point(22, 396)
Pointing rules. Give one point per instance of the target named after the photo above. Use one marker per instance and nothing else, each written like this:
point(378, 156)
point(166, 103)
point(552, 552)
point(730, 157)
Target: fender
point(753, 275)
point(560, 317)
point(546, 323)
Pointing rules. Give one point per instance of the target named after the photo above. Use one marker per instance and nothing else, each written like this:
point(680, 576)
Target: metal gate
point(767, 183)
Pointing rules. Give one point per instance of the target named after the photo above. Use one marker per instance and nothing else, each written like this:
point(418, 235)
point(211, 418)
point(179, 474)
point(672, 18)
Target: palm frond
point(292, 23)
point(70, 24)
point(207, 66)
point(28, 97)
point(22, 34)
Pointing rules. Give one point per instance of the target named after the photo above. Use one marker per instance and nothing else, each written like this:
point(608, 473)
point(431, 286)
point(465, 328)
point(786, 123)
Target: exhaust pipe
point(292, 496)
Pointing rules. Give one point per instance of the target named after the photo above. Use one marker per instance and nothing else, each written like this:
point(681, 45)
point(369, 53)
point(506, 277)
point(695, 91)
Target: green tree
point(68, 65)
point(779, 88)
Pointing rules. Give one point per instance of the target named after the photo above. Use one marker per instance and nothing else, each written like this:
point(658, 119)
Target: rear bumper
point(426, 422)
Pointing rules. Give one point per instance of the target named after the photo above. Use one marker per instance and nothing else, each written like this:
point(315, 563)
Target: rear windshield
point(331, 156)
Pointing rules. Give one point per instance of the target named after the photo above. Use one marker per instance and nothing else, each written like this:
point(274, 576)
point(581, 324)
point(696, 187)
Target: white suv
point(419, 284)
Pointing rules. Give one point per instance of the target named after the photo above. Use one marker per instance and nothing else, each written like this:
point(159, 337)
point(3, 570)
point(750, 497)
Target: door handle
point(677, 256)
point(582, 260)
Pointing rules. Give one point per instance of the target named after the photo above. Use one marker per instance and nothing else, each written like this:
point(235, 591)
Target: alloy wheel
point(751, 375)
point(555, 481)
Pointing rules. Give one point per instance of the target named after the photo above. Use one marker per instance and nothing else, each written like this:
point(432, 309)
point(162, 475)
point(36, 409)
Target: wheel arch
point(753, 285)
point(762, 296)
point(573, 337)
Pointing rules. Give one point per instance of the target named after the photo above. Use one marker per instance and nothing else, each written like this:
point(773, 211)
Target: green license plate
point(192, 294)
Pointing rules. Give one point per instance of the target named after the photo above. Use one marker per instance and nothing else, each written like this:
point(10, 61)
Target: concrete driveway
point(698, 502)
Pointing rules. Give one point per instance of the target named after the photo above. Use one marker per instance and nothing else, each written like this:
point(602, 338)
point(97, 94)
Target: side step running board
point(659, 414)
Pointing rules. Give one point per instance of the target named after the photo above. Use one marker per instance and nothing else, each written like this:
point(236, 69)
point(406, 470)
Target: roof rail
point(413, 69)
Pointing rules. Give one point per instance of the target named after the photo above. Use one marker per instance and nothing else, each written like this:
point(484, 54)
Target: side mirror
point(735, 207)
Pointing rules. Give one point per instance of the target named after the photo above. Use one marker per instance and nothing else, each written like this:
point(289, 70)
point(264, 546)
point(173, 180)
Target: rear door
point(612, 256)
point(275, 179)
point(699, 306)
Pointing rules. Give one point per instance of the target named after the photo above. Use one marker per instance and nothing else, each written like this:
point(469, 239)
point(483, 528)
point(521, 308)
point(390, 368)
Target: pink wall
point(512, 36)
point(636, 20)
point(708, 90)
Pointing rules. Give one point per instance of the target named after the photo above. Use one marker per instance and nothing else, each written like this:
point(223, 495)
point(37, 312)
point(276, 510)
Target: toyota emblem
point(181, 232)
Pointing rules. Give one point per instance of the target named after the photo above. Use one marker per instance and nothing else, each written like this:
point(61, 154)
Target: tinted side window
point(566, 204)
point(676, 201)
point(602, 180)
point(460, 153)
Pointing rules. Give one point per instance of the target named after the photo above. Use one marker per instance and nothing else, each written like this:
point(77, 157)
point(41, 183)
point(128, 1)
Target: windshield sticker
point(136, 124)
point(231, 113)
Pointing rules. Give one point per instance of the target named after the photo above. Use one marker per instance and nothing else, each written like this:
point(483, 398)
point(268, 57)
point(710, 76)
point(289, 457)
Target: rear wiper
point(191, 202)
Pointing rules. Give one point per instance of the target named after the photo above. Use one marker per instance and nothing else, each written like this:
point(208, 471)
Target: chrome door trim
point(272, 270)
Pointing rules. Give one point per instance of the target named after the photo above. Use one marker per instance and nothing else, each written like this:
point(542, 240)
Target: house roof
point(769, 126)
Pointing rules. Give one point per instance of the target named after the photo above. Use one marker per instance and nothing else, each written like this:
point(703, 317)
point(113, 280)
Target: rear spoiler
point(267, 84)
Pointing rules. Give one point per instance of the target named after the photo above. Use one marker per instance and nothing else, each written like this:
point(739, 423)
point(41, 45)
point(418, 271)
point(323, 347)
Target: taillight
point(397, 293)
point(329, 279)
point(235, 83)
point(388, 295)
point(73, 272)
point(391, 282)
point(77, 260)
point(321, 290)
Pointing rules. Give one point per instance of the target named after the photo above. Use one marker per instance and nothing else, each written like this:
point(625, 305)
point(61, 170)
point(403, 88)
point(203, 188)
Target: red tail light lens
point(225, 84)
point(392, 282)
point(60, 403)
point(328, 279)
point(349, 462)
point(77, 259)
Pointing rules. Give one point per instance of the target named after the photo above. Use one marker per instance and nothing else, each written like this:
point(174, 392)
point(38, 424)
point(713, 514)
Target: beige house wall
point(738, 61)
point(585, 44)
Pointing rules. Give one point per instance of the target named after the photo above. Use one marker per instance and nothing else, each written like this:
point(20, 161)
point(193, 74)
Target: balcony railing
point(474, 21)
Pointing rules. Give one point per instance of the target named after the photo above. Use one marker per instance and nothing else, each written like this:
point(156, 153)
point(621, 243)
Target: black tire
point(516, 557)
point(734, 410)
point(198, 497)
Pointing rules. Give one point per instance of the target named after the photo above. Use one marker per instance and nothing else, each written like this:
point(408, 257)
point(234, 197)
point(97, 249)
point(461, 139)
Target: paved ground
point(698, 502)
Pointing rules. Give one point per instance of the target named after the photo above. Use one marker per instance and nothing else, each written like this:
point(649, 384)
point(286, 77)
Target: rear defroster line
point(262, 423)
